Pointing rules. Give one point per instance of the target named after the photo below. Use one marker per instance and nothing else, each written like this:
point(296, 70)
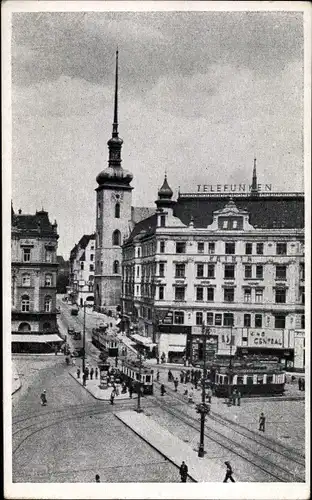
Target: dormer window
point(225, 224)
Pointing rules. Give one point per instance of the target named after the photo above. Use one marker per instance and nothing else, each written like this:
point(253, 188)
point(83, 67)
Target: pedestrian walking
point(96, 372)
point(234, 397)
point(303, 384)
point(191, 396)
point(157, 376)
point(262, 422)
point(181, 377)
point(112, 397)
point(238, 398)
point(87, 372)
point(130, 391)
point(183, 472)
point(209, 394)
point(84, 379)
point(43, 398)
point(162, 389)
point(170, 376)
point(176, 383)
point(55, 351)
point(74, 362)
point(299, 383)
point(229, 473)
point(97, 478)
point(91, 373)
point(78, 372)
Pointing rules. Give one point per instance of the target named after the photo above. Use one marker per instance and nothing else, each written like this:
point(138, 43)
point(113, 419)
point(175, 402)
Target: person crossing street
point(262, 422)
point(229, 473)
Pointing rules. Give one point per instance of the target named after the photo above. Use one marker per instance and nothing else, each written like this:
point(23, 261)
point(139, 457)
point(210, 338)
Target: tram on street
point(249, 377)
point(77, 343)
point(103, 340)
point(131, 372)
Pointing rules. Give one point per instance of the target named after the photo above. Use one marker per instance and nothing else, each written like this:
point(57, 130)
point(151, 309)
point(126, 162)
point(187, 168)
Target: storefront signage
point(231, 188)
point(265, 338)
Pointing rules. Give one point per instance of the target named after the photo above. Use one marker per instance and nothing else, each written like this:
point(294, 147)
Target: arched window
point(47, 303)
point(48, 280)
point(46, 327)
point(25, 303)
point(26, 279)
point(116, 267)
point(117, 211)
point(116, 237)
point(24, 327)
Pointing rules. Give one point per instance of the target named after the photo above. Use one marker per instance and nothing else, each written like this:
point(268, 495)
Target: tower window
point(116, 237)
point(116, 267)
point(99, 210)
point(162, 220)
point(117, 211)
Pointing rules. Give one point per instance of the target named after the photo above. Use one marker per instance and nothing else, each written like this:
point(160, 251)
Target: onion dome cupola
point(114, 173)
point(165, 194)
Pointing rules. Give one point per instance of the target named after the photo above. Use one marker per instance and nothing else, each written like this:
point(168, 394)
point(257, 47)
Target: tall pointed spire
point(254, 184)
point(115, 123)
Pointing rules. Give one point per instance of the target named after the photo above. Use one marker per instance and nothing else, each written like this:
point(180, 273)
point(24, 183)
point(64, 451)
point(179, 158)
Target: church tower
point(113, 213)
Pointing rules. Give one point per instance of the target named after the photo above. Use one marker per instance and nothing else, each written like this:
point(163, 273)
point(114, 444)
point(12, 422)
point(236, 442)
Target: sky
point(200, 94)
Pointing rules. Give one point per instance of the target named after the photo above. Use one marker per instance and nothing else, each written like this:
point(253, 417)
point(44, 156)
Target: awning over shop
point(143, 340)
point(42, 339)
point(176, 348)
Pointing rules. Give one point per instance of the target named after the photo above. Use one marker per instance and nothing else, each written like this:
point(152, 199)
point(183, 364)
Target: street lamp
point(84, 339)
point(139, 409)
point(230, 364)
point(203, 408)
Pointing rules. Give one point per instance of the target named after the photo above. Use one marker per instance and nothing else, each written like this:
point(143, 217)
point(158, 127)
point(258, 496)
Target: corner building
point(235, 264)
point(33, 283)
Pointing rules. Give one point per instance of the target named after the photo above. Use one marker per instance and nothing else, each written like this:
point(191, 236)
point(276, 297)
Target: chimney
point(19, 211)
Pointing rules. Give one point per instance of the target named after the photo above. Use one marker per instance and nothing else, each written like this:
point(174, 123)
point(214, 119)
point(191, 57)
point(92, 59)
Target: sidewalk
point(93, 387)
point(174, 449)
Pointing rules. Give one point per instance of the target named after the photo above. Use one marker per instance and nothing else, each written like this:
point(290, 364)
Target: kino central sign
point(231, 188)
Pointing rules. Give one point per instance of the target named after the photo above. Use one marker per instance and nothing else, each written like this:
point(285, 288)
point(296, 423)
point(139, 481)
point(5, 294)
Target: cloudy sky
point(201, 93)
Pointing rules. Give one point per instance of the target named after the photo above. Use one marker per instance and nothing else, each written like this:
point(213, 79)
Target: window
point(200, 293)
point(280, 320)
point(49, 256)
point(269, 379)
point(211, 271)
point(24, 327)
point(210, 294)
point(225, 224)
point(26, 280)
point(48, 280)
point(280, 295)
point(259, 295)
point(199, 318)
point(47, 304)
point(200, 247)
point(229, 294)
point(302, 295)
point(161, 269)
point(25, 303)
point(200, 270)
point(234, 224)
point(229, 271)
point(218, 319)
point(92, 247)
point(302, 321)
point(249, 380)
point(138, 271)
point(179, 293)
point(209, 318)
point(180, 247)
point(99, 210)
point(82, 266)
point(258, 320)
point(179, 317)
point(281, 248)
point(116, 237)
point(117, 211)
point(211, 248)
point(281, 272)
point(260, 379)
point(180, 271)
point(301, 271)
point(259, 272)
point(230, 248)
point(248, 248)
point(228, 319)
point(247, 295)
point(161, 293)
point(247, 320)
point(91, 267)
point(92, 256)
point(139, 252)
point(162, 221)
point(161, 247)
point(26, 254)
point(259, 248)
point(116, 267)
point(248, 271)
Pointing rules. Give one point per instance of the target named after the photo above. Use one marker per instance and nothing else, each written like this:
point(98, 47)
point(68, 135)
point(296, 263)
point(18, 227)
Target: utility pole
point(202, 408)
point(230, 366)
point(84, 339)
point(139, 409)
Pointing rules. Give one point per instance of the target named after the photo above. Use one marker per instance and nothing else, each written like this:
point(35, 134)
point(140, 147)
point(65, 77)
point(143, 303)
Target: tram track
point(258, 459)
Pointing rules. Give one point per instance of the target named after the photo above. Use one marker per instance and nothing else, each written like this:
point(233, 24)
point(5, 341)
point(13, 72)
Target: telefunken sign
point(231, 188)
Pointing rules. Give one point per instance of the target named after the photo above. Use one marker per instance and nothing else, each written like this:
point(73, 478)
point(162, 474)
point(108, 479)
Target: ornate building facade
point(82, 266)
point(33, 286)
point(234, 263)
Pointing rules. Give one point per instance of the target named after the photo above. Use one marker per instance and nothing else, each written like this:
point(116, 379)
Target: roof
point(266, 212)
point(140, 213)
point(81, 245)
point(146, 227)
point(39, 221)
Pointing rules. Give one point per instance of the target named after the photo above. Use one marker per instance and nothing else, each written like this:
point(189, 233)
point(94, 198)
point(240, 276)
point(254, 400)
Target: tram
point(103, 340)
point(77, 344)
point(130, 372)
point(249, 377)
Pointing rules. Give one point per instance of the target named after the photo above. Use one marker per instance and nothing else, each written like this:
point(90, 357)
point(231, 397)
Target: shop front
point(172, 343)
